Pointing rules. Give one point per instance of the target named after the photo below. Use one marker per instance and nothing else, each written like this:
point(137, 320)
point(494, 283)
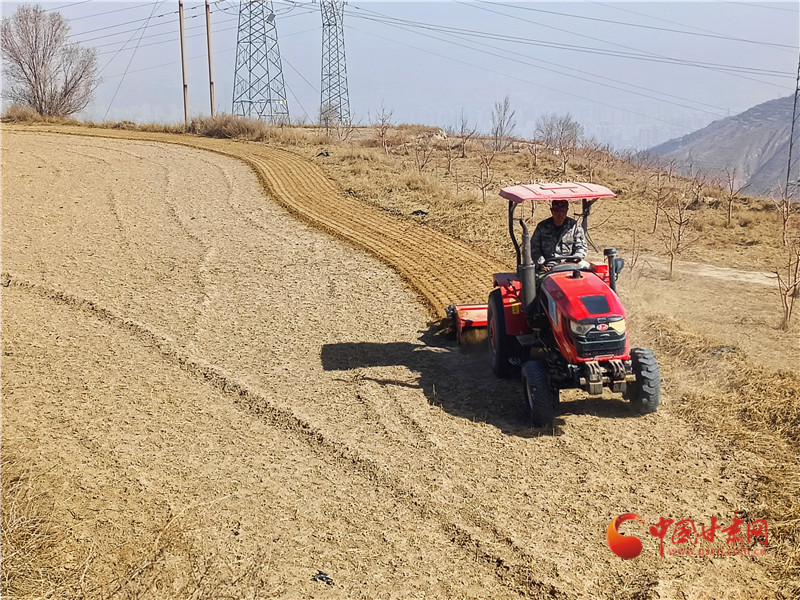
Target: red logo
point(741, 537)
point(602, 327)
point(624, 546)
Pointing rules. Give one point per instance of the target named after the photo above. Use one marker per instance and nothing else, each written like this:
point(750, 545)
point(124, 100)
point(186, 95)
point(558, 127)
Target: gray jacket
point(549, 241)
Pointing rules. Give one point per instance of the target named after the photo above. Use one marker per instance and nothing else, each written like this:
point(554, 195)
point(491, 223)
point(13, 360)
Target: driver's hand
point(547, 268)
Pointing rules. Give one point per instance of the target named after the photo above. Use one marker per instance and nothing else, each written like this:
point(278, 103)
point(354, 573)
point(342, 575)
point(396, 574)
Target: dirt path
point(174, 339)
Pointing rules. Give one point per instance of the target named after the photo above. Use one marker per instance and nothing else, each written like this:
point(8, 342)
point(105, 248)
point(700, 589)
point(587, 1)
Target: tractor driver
point(557, 236)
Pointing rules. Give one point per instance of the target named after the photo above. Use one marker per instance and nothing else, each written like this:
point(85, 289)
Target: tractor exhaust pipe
point(527, 273)
point(615, 265)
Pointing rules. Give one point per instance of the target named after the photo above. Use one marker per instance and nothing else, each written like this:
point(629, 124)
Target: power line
point(131, 22)
point(108, 12)
point(66, 5)
point(650, 57)
point(216, 53)
point(385, 20)
point(638, 25)
point(172, 33)
point(496, 72)
point(602, 81)
point(119, 85)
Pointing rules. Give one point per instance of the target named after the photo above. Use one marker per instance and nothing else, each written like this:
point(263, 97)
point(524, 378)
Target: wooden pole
point(210, 76)
point(183, 68)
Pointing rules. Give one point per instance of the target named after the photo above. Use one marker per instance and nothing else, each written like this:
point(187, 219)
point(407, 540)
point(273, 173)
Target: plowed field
point(176, 342)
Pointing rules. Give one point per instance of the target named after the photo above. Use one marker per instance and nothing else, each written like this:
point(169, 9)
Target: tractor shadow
point(460, 381)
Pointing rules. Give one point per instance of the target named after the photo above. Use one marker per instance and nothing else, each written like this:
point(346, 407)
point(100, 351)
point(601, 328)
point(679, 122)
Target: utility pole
point(210, 76)
point(258, 88)
point(791, 185)
point(334, 107)
point(183, 68)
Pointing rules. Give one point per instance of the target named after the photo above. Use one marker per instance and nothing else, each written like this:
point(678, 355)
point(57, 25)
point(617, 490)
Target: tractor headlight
point(580, 329)
point(618, 326)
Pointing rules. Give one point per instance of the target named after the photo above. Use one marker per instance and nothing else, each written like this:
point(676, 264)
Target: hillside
point(755, 143)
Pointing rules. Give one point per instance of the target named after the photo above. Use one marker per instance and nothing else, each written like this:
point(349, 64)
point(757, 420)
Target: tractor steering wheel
point(558, 260)
point(562, 259)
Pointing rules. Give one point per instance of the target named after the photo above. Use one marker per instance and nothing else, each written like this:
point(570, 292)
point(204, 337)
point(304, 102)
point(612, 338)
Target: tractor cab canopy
point(536, 192)
point(588, 193)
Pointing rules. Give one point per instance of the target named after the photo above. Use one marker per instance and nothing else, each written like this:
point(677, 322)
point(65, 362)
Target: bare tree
point(561, 133)
point(534, 149)
point(328, 117)
point(593, 152)
point(423, 152)
point(486, 154)
point(465, 132)
point(732, 190)
point(43, 70)
point(383, 121)
point(503, 124)
point(789, 283)
point(678, 217)
point(661, 186)
point(785, 206)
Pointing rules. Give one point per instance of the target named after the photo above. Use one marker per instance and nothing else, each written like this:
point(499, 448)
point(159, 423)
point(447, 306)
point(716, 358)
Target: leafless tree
point(383, 121)
point(464, 132)
point(562, 133)
point(592, 152)
point(678, 216)
point(534, 149)
point(732, 190)
point(661, 187)
point(423, 152)
point(785, 206)
point(43, 70)
point(486, 154)
point(789, 283)
point(328, 117)
point(503, 124)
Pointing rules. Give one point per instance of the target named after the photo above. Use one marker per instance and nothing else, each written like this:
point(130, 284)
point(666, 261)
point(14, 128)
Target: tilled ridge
point(441, 269)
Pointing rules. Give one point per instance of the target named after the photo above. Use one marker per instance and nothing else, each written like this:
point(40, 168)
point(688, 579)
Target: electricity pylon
point(258, 88)
point(334, 107)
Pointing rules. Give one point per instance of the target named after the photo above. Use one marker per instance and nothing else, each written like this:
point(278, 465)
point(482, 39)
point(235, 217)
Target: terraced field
point(226, 340)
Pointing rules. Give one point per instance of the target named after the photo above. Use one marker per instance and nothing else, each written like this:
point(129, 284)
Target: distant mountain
point(755, 143)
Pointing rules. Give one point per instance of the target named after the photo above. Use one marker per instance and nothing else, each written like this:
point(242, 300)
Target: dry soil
point(175, 342)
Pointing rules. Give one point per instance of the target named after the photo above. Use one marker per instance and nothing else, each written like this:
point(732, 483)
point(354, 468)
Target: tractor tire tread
point(646, 392)
point(538, 394)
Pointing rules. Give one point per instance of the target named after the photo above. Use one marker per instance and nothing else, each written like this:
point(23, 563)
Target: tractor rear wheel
point(539, 397)
point(501, 345)
point(645, 392)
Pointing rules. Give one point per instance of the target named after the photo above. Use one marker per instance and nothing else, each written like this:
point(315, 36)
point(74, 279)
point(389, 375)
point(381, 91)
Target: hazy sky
point(633, 73)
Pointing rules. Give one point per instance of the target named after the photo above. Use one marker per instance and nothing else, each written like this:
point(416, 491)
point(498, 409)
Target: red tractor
point(563, 328)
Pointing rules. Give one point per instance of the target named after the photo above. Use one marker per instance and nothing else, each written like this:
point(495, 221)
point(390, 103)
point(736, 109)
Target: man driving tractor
point(557, 236)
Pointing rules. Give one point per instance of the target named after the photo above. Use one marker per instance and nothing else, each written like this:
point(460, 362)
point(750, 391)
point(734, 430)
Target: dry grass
point(26, 114)
point(754, 408)
point(42, 558)
point(33, 561)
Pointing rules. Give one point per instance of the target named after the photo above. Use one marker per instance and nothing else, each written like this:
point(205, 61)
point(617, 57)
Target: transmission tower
point(258, 89)
point(334, 105)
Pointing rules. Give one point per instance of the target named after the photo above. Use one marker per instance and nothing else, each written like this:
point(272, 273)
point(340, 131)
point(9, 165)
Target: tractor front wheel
point(645, 392)
point(501, 345)
point(538, 394)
